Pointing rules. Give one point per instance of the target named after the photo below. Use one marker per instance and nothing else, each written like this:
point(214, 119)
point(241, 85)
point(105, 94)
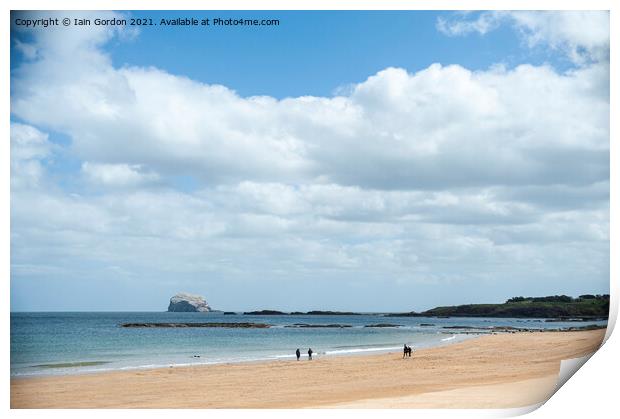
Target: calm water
point(69, 343)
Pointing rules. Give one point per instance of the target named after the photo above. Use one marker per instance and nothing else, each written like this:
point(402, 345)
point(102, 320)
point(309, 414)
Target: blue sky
point(310, 53)
point(374, 161)
point(313, 52)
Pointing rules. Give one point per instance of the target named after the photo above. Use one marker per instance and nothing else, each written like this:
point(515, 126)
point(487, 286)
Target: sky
point(367, 161)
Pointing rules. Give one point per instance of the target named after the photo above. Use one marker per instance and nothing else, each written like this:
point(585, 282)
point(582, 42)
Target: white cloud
point(399, 130)
point(459, 25)
point(28, 143)
point(29, 147)
point(28, 50)
point(117, 174)
point(582, 35)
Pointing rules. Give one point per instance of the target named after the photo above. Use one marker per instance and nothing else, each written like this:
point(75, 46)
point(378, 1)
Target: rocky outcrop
point(184, 302)
point(383, 325)
point(331, 313)
point(225, 325)
point(264, 313)
point(306, 325)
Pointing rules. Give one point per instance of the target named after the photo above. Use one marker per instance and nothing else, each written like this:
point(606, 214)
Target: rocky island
point(184, 302)
point(264, 313)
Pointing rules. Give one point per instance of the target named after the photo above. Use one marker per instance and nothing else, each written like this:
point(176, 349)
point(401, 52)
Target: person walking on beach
point(298, 353)
point(309, 353)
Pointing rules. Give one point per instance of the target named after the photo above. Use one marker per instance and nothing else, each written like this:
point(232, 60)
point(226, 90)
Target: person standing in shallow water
point(309, 353)
point(298, 353)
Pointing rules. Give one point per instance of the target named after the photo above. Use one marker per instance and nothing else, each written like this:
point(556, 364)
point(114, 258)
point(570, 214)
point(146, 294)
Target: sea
point(58, 343)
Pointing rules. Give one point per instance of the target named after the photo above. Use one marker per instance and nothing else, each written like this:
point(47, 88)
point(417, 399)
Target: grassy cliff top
point(584, 306)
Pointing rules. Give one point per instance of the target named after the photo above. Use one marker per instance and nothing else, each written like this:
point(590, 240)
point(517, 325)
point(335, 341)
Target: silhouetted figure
point(298, 353)
point(406, 351)
point(309, 353)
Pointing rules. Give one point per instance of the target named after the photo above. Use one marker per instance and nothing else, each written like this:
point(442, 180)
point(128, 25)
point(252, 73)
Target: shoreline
point(360, 351)
point(489, 365)
point(86, 366)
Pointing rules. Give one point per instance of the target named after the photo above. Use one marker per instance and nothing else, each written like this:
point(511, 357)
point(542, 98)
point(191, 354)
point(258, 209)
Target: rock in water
point(188, 302)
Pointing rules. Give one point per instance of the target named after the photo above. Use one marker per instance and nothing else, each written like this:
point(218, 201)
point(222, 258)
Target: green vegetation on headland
point(584, 307)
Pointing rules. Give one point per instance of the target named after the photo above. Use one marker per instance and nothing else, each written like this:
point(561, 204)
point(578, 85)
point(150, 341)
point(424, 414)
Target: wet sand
point(495, 371)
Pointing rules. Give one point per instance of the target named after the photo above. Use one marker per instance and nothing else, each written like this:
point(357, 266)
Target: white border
point(590, 393)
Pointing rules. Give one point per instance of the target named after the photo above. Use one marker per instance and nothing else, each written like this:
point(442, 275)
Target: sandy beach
point(495, 371)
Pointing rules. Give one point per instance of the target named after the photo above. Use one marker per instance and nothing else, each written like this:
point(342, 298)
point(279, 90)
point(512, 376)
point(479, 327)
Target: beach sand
point(495, 371)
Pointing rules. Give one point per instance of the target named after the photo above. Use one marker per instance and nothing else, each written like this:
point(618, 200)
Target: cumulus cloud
point(400, 130)
point(444, 175)
point(460, 24)
point(117, 174)
point(583, 36)
point(29, 147)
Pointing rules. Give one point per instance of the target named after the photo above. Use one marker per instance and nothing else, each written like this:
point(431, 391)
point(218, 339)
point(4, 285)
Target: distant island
point(300, 313)
point(184, 303)
point(264, 313)
point(585, 307)
point(328, 313)
point(559, 307)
